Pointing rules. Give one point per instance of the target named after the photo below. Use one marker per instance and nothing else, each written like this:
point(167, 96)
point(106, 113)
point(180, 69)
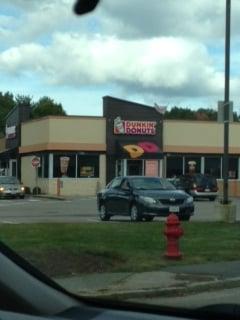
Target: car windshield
point(204, 180)
point(106, 119)
point(8, 180)
point(152, 184)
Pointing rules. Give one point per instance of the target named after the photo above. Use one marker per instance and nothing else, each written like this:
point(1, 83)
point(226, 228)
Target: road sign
point(221, 111)
point(36, 162)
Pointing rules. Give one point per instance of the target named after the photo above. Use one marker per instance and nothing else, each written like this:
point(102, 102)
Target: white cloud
point(193, 18)
point(147, 48)
point(168, 65)
point(31, 20)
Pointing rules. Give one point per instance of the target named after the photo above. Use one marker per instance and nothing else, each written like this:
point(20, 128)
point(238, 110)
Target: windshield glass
point(152, 184)
point(204, 180)
point(130, 94)
point(8, 180)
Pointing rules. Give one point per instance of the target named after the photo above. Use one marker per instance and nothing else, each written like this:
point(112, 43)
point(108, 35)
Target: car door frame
point(111, 197)
point(124, 197)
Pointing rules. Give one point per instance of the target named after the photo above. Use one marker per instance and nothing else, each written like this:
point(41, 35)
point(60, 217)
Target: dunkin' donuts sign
point(130, 127)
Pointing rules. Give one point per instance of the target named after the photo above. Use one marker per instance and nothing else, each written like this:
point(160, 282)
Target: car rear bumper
point(197, 194)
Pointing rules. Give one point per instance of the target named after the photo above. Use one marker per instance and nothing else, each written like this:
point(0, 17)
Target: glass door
point(13, 168)
point(135, 168)
point(119, 169)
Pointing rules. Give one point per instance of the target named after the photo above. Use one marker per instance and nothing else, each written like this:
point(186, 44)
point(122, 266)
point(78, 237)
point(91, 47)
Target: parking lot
point(37, 210)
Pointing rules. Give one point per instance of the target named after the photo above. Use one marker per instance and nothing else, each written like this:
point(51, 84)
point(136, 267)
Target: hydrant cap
point(173, 219)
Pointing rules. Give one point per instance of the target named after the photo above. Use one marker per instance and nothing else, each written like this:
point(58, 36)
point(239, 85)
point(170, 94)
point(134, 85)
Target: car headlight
point(148, 200)
point(189, 200)
point(22, 188)
point(1, 189)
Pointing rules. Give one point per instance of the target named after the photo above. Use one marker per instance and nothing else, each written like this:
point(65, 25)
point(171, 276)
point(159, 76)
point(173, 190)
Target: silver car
point(10, 187)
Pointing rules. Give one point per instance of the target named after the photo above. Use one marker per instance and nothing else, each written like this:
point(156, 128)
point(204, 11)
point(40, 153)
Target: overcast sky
point(169, 52)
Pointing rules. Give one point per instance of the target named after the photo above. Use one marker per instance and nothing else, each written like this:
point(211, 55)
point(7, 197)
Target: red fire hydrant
point(173, 232)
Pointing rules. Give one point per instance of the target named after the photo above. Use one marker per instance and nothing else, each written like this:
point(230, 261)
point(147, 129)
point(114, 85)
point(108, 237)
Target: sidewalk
point(154, 284)
point(56, 197)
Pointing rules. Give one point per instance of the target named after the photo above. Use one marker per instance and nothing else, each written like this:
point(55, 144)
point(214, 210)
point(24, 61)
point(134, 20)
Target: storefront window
point(4, 167)
point(40, 168)
point(88, 166)
point(43, 169)
point(64, 166)
point(192, 164)
point(174, 166)
point(233, 168)
point(213, 166)
point(151, 168)
point(119, 168)
point(46, 166)
point(135, 167)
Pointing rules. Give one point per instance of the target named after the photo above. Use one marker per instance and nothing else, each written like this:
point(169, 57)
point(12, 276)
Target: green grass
point(61, 249)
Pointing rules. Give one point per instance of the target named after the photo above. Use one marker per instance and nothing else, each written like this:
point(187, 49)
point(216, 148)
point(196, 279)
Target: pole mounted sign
point(35, 162)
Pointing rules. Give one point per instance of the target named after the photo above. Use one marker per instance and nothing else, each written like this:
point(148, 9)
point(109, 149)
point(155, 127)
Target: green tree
point(236, 117)
point(46, 107)
point(206, 114)
point(203, 114)
point(180, 113)
point(7, 102)
point(21, 100)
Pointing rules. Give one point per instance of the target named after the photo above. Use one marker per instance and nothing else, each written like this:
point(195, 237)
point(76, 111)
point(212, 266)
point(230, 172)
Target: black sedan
point(143, 198)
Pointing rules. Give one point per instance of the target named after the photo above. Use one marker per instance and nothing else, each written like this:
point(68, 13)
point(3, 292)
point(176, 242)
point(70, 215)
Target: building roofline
point(128, 101)
point(199, 121)
point(64, 117)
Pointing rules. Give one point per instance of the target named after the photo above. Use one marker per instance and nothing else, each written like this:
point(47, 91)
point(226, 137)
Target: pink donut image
point(148, 147)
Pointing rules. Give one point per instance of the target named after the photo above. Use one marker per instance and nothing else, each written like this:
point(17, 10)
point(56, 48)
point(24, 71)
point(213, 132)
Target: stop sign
point(36, 162)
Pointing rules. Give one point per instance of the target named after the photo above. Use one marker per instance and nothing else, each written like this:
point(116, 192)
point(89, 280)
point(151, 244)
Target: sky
point(164, 52)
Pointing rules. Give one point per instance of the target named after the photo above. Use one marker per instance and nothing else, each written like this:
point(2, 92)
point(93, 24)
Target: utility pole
point(226, 103)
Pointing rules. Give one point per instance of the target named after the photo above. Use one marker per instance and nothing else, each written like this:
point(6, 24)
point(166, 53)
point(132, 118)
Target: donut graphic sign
point(137, 150)
point(129, 127)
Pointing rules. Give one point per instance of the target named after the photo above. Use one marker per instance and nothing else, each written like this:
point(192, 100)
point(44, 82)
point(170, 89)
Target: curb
point(166, 292)
point(49, 197)
point(61, 198)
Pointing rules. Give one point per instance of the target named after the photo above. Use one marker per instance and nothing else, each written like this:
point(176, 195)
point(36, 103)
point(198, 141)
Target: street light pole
point(226, 103)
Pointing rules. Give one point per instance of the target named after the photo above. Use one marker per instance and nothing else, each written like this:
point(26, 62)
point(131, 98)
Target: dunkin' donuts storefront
point(133, 139)
point(84, 153)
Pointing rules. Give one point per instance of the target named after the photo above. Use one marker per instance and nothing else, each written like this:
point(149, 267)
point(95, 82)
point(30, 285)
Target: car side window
point(116, 183)
point(125, 185)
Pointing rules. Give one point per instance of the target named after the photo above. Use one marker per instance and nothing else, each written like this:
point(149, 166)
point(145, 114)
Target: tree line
point(202, 114)
point(43, 107)
point(46, 106)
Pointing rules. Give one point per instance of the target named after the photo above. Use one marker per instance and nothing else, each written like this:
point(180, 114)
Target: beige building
point(201, 141)
point(79, 155)
point(80, 140)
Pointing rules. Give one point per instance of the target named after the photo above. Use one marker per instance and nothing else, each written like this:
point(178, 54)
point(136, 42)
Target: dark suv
point(198, 186)
point(143, 198)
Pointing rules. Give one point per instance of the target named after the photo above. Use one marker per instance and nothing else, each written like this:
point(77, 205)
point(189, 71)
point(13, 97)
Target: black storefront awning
point(138, 150)
point(9, 154)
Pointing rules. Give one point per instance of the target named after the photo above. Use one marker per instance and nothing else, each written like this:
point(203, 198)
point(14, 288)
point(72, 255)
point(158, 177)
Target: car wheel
point(104, 216)
point(148, 218)
point(212, 198)
point(21, 197)
point(135, 214)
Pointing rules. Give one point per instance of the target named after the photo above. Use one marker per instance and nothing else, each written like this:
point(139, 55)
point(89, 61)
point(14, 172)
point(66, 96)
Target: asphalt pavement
point(52, 209)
